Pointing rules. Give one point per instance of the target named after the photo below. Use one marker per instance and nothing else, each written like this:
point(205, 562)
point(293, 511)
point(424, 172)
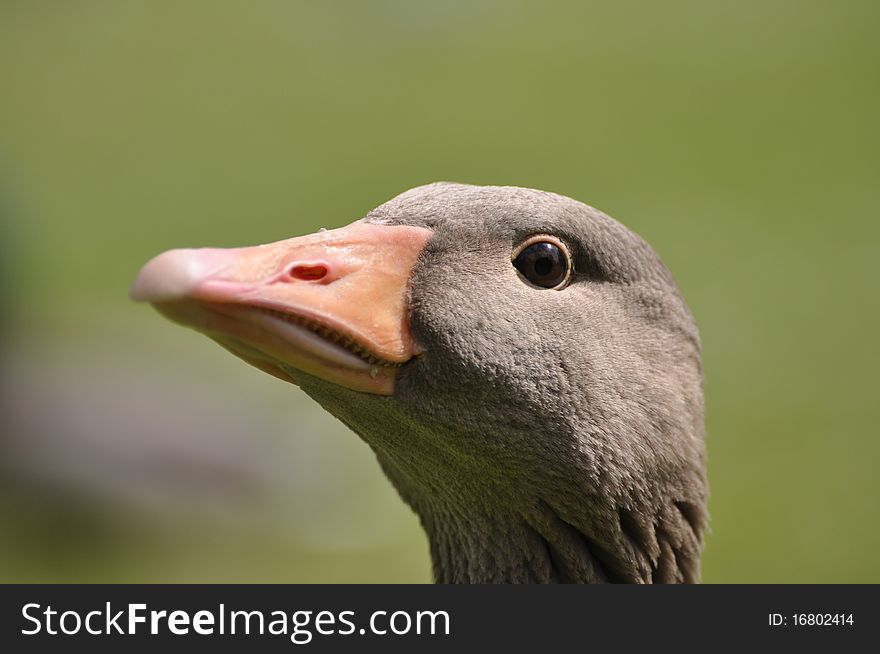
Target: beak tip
point(169, 276)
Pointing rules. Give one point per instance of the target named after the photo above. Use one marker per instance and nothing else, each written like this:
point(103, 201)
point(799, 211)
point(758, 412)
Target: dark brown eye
point(543, 263)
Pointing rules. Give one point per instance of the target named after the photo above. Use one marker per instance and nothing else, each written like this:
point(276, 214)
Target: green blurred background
point(741, 139)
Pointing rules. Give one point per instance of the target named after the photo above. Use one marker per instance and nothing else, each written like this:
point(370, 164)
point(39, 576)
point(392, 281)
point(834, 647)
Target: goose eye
point(543, 263)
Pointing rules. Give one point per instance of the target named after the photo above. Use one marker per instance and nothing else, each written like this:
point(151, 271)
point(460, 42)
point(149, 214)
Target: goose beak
point(331, 304)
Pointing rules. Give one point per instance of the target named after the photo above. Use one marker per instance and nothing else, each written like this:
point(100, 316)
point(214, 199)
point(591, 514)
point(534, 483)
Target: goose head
point(524, 367)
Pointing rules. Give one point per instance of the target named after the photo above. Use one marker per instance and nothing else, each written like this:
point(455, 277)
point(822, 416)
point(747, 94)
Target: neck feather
point(508, 549)
point(495, 511)
point(478, 542)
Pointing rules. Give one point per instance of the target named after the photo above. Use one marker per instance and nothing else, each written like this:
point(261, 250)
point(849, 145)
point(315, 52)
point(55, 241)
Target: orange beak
point(331, 304)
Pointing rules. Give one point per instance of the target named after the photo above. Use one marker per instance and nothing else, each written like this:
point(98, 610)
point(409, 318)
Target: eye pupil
point(543, 264)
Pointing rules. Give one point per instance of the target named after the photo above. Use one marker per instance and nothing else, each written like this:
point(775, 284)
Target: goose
point(523, 366)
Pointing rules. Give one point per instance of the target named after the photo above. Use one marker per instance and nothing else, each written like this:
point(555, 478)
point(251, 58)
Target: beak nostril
point(308, 273)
